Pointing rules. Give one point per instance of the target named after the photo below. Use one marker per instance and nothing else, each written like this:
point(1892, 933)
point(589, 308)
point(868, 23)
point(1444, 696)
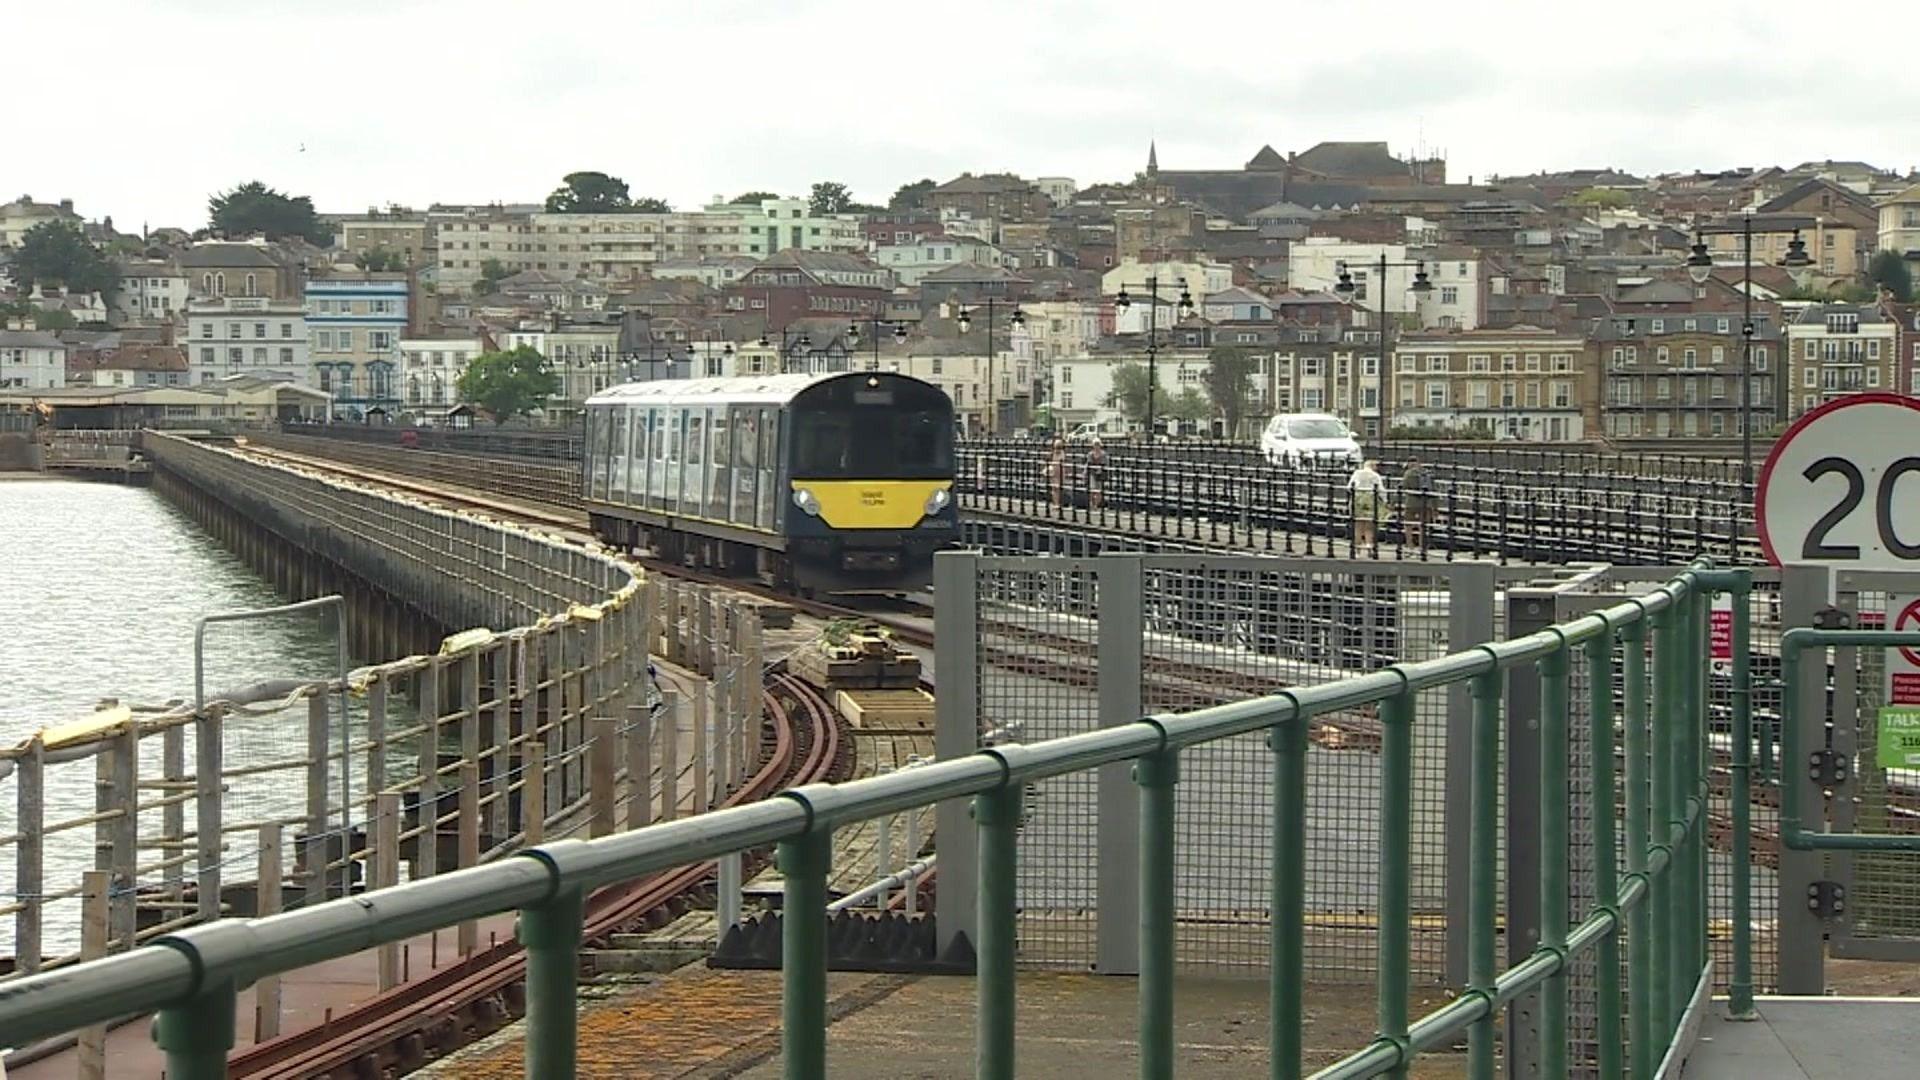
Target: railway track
point(404, 1028)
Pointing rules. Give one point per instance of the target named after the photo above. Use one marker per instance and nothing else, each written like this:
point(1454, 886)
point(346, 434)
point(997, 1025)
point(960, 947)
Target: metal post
point(1153, 354)
point(702, 779)
point(1380, 377)
point(29, 882)
point(1662, 1002)
point(1740, 986)
point(1606, 885)
point(198, 1033)
point(997, 817)
point(1554, 789)
point(1287, 935)
point(1117, 829)
point(468, 838)
point(207, 801)
point(1527, 612)
point(1639, 847)
point(1485, 859)
point(1156, 775)
point(551, 935)
point(1746, 360)
point(1471, 595)
point(266, 990)
point(803, 953)
point(956, 651)
point(533, 793)
point(1801, 937)
point(727, 902)
point(1396, 879)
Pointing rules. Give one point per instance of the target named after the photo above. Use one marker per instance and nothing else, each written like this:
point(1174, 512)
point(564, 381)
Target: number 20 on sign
point(1842, 486)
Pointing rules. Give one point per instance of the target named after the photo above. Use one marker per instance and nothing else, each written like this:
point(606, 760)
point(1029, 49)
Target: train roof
point(738, 389)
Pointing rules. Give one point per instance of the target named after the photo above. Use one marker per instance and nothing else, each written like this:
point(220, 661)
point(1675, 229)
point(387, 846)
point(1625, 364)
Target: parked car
point(1085, 433)
point(1304, 439)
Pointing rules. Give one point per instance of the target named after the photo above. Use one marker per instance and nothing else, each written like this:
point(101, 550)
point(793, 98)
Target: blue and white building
point(355, 322)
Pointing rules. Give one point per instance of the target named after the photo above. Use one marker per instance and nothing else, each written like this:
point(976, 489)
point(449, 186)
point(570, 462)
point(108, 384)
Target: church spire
point(1153, 158)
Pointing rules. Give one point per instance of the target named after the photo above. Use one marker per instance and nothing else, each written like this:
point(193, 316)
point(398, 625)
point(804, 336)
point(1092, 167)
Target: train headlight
point(938, 501)
point(806, 501)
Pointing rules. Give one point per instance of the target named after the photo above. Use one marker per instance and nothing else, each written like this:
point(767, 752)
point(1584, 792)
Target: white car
point(1305, 439)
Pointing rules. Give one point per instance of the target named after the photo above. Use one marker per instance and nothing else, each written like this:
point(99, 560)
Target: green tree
point(57, 253)
point(829, 197)
point(1889, 271)
point(1190, 406)
point(1226, 380)
point(51, 320)
point(253, 207)
point(379, 260)
point(590, 193)
point(508, 384)
point(911, 196)
point(1129, 393)
point(492, 273)
point(751, 198)
point(647, 204)
point(1596, 198)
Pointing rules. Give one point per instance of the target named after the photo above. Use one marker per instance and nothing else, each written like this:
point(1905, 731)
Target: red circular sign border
point(1893, 623)
point(1879, 397)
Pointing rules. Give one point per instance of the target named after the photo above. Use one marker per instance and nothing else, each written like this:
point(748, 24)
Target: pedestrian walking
point(1096, 474)
point(1416, 502)
point(1367, 492)
point(1057, 470)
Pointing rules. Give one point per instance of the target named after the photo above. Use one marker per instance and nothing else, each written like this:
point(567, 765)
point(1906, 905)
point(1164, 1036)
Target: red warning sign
point(1903, 664)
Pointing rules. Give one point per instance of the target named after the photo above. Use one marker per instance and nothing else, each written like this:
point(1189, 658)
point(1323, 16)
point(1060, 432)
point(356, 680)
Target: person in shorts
point(1416, 502)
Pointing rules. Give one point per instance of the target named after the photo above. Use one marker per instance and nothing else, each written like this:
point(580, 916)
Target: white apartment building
point(246, 335)
point(465, 237)
point(151, 290)
point(1313, 265)
point(430, 369)
point(1061, 328)
point(31, 359)
point(1834, 350)
point(915, 260)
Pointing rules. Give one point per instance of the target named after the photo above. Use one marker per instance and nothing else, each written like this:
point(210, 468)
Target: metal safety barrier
point(1657, 900)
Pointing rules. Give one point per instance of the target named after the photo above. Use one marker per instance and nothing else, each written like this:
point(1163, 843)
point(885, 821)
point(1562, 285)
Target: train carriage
point(836, 482)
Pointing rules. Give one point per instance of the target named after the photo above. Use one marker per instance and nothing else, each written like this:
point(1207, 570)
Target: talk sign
point(1900, 736)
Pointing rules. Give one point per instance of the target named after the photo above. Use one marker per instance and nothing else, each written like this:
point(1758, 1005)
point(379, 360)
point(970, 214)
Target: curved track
point(425, 1018)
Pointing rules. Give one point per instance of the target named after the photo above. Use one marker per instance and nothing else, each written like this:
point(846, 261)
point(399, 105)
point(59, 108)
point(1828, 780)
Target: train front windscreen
point(873, 429)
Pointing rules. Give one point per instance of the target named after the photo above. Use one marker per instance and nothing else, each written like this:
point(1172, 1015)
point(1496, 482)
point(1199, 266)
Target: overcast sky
point(141, 109)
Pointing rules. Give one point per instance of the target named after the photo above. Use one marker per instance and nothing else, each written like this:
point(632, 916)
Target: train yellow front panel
point(872, 504)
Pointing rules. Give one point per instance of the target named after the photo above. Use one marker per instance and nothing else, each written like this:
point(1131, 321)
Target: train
point(819, 483)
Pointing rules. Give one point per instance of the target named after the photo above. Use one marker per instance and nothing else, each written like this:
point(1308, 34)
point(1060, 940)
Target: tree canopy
point(598, 193)
point(1191, 406)
point(253, 207)
point(911, 196)
point(1130, 393)
point(378, 260)
point(1889, 271)
point(1227, 381)
point(1602, 199)
point(508, 384)
point(751, 198)
point(492, 273)
point(829, 197)
point(57, 253)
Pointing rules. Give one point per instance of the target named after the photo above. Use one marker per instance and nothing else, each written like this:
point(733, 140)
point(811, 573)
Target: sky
point(359, 103)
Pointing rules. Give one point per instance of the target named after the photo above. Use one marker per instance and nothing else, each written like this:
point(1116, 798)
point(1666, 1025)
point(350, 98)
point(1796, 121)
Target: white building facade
point(31, 360)
point(246, 335)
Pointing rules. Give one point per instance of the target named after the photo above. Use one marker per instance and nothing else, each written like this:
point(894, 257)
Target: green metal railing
point(1658, 901)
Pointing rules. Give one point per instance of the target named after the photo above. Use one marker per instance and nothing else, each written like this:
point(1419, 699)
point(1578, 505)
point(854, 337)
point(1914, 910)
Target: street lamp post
point(788, 344)
point(1700, 268)
point(964, 318)
point(873, 324)
point(1122, 302)
point(1346, 288)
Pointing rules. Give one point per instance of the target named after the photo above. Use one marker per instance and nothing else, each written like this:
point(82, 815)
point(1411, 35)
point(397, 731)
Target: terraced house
point(355, 322)
point(1522, 383)
point(1840, 349)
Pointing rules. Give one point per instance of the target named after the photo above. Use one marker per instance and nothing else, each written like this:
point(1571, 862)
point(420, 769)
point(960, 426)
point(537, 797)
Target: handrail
point(191, 977)
point(1793, 833)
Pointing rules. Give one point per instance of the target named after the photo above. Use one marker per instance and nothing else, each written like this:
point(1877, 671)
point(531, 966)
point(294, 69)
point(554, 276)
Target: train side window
point(746, 463)
point(693, 495)
point(720, 487)
point(656, 470)
point(617, 454)
point(771, 468)
point(597, 438)
point(636, 454)
point(671, 493)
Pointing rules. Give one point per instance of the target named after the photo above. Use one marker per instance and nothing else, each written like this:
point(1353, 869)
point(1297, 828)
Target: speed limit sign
point(1842, 486)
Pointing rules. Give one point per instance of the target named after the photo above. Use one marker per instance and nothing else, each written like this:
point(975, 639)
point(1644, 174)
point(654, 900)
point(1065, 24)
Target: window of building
point(1719, 354)
point(345, 340)
point(1437, 363)
point(1809, 377)
point(1689, 359)
point(1660, 354)
point(286, 354)
point(259, 329)
point(1873, 376)
point(1449, 294)
point(1873, 348)
point(206, 355)
point(235, 356)
point(1312, 399)
point(1562, 394)
point(1659, 326)
point(1436, 394)
point(1480, 362)
point(1508, 394)
point(206, 330)
point(233, 330)
point(1478, 394)
point(1509, 362)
